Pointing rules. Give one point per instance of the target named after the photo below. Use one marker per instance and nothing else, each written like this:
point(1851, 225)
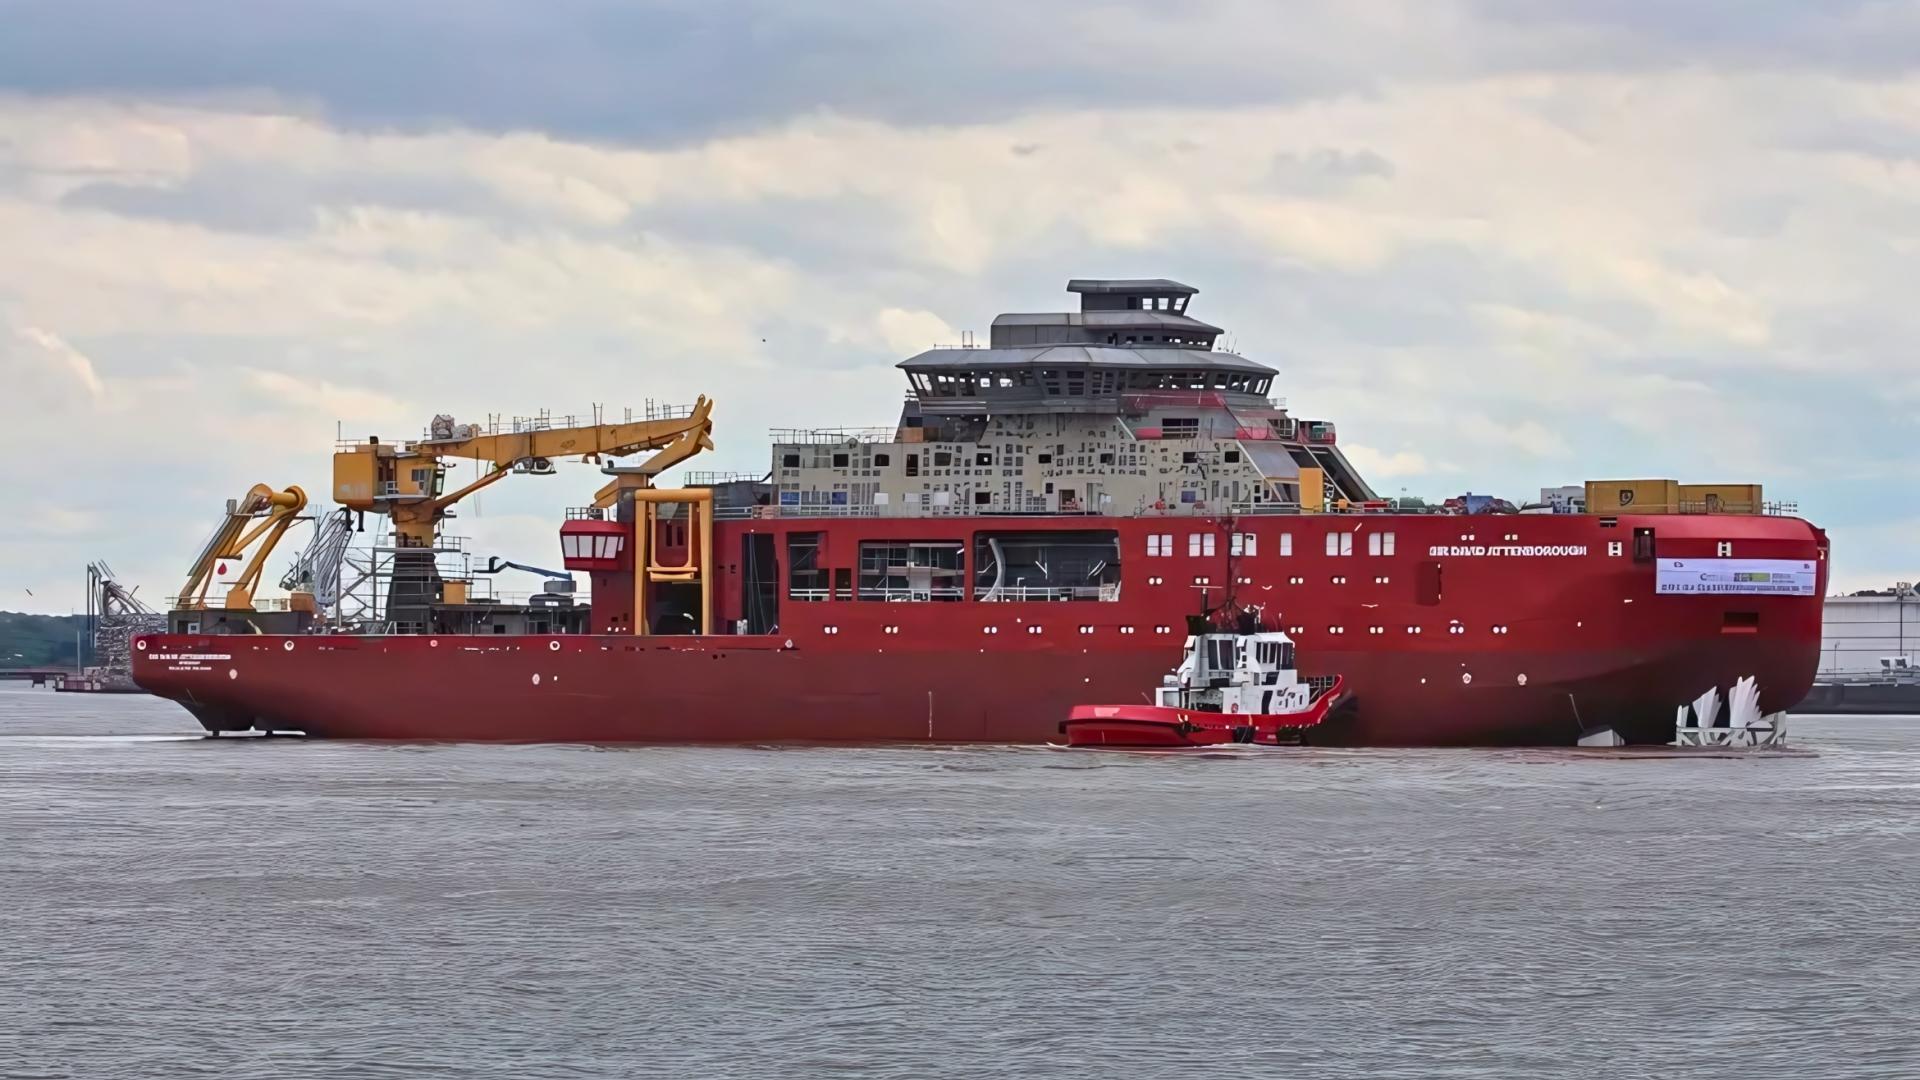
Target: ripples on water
point(253, 908)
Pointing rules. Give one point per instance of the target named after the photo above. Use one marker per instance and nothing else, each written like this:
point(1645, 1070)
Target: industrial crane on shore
point(405, 481)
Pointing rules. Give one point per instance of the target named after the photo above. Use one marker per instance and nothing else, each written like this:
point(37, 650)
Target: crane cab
point(596, 544)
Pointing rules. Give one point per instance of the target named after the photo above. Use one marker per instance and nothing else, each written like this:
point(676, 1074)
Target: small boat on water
point(1235, 686)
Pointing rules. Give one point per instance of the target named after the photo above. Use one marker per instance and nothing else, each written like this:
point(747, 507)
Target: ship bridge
point(1123, 407)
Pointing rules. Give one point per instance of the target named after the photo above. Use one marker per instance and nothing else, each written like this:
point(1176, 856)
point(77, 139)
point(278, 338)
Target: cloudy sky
point(1502, 243)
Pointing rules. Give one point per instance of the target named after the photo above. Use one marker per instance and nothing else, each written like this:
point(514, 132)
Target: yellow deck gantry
point(262, 515)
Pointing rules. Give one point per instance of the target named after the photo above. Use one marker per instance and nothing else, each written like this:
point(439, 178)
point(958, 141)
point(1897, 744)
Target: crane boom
point(406, 481)
point(502, 449)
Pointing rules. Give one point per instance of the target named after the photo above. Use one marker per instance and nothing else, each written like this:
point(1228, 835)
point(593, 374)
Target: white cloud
point(51, 350)
point(1511, 279)
point(1376, 465)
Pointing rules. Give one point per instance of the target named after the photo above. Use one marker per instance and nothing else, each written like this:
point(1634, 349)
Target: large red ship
point(1031, 535)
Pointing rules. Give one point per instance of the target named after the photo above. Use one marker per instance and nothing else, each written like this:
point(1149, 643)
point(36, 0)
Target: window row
point(1201, 545)
point(589, 546)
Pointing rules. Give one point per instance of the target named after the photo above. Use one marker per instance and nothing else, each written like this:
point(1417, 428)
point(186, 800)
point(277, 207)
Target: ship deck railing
point(832, 436)
point(1046, 593)
point(211, 602)
point(870, 510)
point(712, 477)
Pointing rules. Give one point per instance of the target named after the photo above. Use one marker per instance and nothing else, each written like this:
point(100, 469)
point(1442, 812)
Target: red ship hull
point(713, 690)
point(1512, 651)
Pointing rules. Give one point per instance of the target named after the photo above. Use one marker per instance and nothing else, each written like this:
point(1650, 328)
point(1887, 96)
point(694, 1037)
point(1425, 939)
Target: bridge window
point(911, 570)
point(1159, 544)
point(1199, 544)
point(1380, 543)
point(1052, 565)
point(1180, 427)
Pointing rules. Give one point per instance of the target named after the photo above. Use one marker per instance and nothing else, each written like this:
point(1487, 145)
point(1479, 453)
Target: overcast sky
point(1502, 244)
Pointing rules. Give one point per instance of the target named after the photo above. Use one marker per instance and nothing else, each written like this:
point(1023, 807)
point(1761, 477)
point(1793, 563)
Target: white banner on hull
point(1753, 577)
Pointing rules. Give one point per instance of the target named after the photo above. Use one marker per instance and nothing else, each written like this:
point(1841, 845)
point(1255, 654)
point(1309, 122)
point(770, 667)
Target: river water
point(172, 906)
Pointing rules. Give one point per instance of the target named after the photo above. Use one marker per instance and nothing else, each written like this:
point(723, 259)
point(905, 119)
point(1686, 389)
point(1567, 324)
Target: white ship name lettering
point(1524, 551)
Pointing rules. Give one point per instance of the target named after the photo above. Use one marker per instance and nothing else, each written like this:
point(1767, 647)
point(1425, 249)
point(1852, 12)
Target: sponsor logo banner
point(1751, 577)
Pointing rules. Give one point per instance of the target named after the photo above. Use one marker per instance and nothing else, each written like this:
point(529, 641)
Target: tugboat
point(1235, 686)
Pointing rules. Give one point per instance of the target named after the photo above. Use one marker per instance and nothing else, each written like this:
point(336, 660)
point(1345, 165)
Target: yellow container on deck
point(1633, 497)
point(1721, 498)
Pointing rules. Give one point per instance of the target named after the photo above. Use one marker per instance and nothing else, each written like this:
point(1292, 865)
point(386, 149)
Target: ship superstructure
point(1033, 533)
point(1122, 408)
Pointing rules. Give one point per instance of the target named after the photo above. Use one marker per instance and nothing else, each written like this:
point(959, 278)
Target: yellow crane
point(405, 480)
point(262, 515)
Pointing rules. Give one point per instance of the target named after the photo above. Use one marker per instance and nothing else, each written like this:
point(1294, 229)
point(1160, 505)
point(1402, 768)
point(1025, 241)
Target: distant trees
point(38, 640)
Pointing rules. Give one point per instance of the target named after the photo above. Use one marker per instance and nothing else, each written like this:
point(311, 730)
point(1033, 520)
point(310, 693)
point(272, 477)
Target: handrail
point(831, 436)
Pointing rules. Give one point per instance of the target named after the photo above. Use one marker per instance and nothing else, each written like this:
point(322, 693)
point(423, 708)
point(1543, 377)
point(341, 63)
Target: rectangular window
point(1054, 565)
point(806, 580)
point(1160, 545)
point(942, 459)
point(1286, 543)
point(1243, 544)
point(911, 570)
point(881, 461)
point(839, 461)
point(789, 461)
point(913, 464)
point(1180, 427)
point(1199, 544)
point(1333, 543)
point(1373, 543)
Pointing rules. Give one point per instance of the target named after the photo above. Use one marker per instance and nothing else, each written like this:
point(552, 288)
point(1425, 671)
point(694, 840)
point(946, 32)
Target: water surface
point(176, 906)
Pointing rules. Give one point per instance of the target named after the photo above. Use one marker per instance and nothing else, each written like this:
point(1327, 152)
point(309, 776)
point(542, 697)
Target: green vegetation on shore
point(28, 641)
